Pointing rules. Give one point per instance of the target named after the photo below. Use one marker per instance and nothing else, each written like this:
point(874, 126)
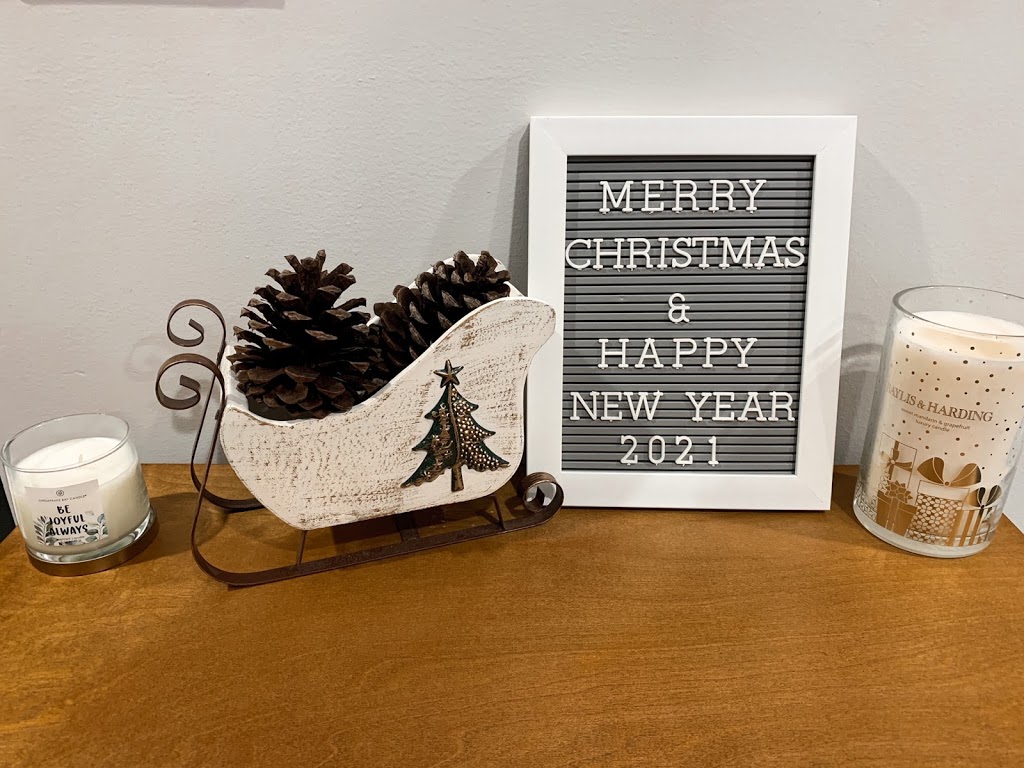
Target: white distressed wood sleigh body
point(355, 466)
point(351, 466)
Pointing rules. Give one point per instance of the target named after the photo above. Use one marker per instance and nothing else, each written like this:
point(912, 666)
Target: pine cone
point(302, 353)
point(439, 298)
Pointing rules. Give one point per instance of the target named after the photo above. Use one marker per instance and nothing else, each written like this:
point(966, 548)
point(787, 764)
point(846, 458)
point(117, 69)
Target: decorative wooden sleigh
point(369, 461)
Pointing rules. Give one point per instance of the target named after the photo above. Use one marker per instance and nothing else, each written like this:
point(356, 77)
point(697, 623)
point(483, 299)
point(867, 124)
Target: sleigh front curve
point(403, 449)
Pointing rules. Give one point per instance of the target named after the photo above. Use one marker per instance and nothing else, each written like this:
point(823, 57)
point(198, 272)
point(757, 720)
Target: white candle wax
point(949, 427)
point(61, 491)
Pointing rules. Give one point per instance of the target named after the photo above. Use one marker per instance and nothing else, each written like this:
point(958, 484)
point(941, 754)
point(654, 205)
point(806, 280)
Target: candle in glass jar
point(78, 494)
point(92, 491)
point(947, 431)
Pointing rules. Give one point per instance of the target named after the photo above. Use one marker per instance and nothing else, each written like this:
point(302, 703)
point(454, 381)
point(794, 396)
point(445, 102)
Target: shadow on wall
point(856, 389)
point(519, 236)
point(901, 260)
point(504, 170)
point(176, 3)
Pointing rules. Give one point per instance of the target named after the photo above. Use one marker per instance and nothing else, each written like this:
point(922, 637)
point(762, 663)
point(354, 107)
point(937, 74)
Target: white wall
point(152, 150)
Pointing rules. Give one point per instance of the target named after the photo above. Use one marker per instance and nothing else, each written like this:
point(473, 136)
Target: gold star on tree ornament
point(455, 439)
point(449, 374)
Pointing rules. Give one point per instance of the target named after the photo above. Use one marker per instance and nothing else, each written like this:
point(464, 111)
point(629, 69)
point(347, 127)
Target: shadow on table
point(837, 525)
point(255, 540)
point(843, 486)
point(170, 539)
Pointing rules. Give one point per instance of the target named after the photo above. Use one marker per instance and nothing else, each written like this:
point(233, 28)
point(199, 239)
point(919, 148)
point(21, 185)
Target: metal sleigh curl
point(540, 494)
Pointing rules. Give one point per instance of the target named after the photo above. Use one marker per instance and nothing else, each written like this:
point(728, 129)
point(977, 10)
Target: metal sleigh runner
point(447, 428)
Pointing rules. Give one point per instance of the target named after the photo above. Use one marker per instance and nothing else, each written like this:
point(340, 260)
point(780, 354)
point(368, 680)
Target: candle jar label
point(67, 516)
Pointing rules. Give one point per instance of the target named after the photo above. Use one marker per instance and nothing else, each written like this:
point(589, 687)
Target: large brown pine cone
point(419, 315)
point(300, 351)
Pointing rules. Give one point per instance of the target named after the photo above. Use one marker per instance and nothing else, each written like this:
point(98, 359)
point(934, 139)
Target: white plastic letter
point(591, 410)
point(605, 352)
point(698, 404)
point(777, 406)
point(634, 251)
point(770, 248)
point(661, 256)
point(692, 194)
point(709, 353)
point(753, 404)
point(726, 195)
point(676, 264)
point(649, 196)
point(572, 263)
point(617, 253)
point(800, 255)
point(641, 402)
point(613, 407)
point(752, 192)
point(721, 406)
point(743, 255)
point(743, 350)
point(704, 241)
point(651, 351)
point(608, 197)
point(679, 350)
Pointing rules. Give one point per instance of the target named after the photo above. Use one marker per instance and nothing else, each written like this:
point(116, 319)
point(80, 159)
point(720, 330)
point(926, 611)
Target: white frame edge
point(832, 141)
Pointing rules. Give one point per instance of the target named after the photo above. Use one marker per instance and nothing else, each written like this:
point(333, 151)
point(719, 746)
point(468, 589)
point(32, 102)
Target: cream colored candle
point(948, 426)
point(78, 494)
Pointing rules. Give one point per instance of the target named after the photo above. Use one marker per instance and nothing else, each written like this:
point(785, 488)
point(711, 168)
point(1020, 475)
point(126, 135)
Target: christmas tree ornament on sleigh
point(330, 417)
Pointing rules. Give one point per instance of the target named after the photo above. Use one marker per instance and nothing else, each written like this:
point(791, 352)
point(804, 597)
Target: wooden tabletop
point(603, 638)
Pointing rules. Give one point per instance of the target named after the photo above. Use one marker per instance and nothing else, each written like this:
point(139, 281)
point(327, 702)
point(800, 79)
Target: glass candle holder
point(945, 432)
point(77, 493)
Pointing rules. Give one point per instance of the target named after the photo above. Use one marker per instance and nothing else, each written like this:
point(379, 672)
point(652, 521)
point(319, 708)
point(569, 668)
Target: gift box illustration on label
point(941, 502)
point(895, 509)
point(980, 521)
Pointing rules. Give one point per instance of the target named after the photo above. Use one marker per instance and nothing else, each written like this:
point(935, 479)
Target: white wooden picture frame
point(830, 141)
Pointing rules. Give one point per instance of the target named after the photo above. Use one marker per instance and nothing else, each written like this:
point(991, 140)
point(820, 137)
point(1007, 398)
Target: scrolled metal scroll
point(196, 326)
point(190, 401)
point(184, 403)
point(541, 499)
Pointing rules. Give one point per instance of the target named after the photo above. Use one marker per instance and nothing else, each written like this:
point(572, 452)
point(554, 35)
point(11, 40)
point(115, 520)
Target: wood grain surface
point(604, 638)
